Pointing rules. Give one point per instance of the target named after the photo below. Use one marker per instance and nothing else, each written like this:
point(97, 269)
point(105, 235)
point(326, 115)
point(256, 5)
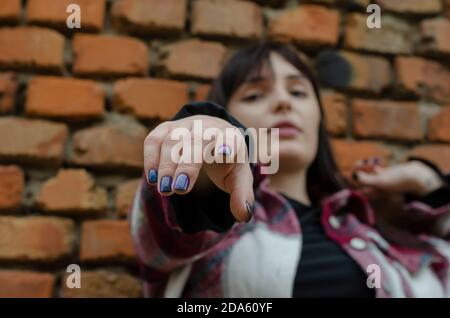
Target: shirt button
point(334, 222)
point(357, 243)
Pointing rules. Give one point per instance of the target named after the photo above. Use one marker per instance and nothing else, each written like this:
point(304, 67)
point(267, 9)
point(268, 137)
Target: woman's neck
point(292, 184)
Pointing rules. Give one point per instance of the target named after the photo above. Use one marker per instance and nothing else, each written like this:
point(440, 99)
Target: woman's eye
point(298, 93)
point(252, 97)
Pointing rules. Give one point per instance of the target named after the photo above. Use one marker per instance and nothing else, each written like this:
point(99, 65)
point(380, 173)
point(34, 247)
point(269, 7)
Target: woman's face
point(281, 97)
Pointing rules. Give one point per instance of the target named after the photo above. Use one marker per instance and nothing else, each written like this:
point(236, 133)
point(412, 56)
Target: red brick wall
point(76, 106)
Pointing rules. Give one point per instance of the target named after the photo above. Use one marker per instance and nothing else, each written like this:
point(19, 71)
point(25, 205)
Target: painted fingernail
point(166, 184)
point(224, 150)
point(250, 209)
point(181, 182)
point(152, 176)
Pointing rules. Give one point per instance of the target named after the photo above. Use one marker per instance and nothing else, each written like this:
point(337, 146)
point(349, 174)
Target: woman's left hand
point(413, 177)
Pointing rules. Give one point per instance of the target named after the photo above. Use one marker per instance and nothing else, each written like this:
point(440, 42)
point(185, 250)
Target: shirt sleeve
point(432, 209)
point(169, 232)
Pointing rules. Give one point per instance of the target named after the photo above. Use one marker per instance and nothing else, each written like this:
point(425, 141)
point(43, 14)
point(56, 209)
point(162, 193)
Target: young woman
point(225, 230)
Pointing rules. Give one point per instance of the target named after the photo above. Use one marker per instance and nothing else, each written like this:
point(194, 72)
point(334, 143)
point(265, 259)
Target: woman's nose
point(282, 105)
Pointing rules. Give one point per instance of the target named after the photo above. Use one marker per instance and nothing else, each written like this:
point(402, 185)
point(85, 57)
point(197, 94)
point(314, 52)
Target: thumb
point(239, 184)
point(380, 180)
point(367, 179)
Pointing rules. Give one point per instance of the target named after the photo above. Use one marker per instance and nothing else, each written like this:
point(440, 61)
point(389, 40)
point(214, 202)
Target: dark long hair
point(323, 177)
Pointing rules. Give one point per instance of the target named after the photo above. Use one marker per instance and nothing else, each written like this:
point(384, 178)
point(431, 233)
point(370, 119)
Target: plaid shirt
point(260, 258)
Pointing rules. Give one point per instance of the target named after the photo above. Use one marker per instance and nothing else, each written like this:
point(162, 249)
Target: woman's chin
point(291, 157)
point(292, 154)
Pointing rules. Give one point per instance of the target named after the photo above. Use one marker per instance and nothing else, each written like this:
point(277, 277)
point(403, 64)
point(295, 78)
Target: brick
point(8, 90)
point(229, 18)
point(355, 4)
point(109, 56)
point(64, 98)
point(395, 36)
point(354, 72)
point(10, 11)
point(35, 142)
point(31, 48)
point(348, 153)
point(110, 147)
point(193, 59)
point(54, 14)
point(11, 187)
point(447, 8)
point(273, 3)
point(149, 17)
point(423, 78)
point(71, 191)
point(335, 113)
point(435, 36)
point(35, 239)
point(106, 241)
point(438, 154)
point(439, 126)
point(416, 7)
point(308, 24)
point(328, 2)
point(201, 92)
point(386, 119)
point(125, 195)
point(150, 98)
point(104, 284)
point(26, 284)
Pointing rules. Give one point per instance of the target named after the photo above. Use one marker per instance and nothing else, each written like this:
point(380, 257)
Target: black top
point(325, 269)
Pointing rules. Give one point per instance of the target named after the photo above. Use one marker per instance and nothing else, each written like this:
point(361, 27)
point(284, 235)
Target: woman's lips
point(287, 130)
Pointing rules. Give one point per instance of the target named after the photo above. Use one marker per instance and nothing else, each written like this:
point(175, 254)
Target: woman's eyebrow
point(255, 79)
point(258, 78)
point(299, 77)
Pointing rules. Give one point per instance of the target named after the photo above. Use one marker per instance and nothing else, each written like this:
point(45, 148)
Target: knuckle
point(168, 141)
point(150, 158)
point(154, 138)
point(158, 134)
point(166, 165)
point(190, 168)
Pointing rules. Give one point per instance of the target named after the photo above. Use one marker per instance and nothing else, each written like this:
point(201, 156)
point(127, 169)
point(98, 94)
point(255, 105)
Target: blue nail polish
point(181, 182)
point(224, 150)
point(152, 176)
point(166, 184)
